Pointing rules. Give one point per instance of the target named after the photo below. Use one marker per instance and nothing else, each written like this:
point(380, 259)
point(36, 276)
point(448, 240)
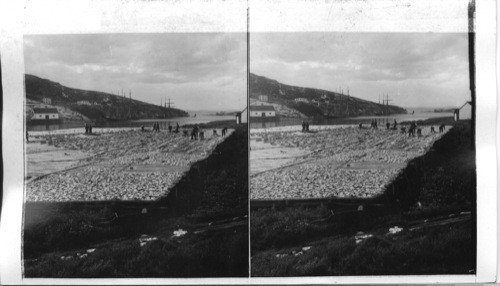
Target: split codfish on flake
point(344, 162)
point(125, 165)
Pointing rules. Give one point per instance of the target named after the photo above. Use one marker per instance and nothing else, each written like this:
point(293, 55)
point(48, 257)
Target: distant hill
point(316, 102)
point(95, 105)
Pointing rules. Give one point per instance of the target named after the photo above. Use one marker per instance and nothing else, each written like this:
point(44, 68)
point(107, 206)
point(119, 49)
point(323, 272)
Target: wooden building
point(262, 111)
point(45, 114)
point(242, 117)
point(464, 112)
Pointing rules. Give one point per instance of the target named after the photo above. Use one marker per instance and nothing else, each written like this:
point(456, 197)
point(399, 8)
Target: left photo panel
point(135, 156)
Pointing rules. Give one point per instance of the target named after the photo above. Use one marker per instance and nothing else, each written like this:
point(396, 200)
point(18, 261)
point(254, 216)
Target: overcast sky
point(415, 69)
point(197, 71)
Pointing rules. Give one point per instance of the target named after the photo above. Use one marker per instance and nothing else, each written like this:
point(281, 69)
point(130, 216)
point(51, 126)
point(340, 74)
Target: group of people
point(196, 131)
point(176, 128)
point(412, 129)
point(156, 127)
point(305, 126)
point(394, 125)
point(374, 125)
point(441, 128)
point(88, 128)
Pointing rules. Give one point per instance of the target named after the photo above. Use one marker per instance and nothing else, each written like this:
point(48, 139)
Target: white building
point(301, 99)
point(47, 100)
point(83, 102)
point(262, 111)
point(464, 112)
point(106, 101)
point(45, 114)
point(263, 98)
point(242, 117)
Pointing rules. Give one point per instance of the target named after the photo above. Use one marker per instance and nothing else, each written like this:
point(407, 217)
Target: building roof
point(262, 108)
point(45, 110)
point(468, 102)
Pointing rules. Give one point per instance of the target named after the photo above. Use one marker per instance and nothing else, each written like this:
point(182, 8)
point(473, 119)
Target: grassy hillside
point(326, 103)
point(104, 106)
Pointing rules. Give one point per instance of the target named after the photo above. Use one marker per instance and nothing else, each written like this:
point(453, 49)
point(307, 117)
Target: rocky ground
point(122, 165)
point(335, 161)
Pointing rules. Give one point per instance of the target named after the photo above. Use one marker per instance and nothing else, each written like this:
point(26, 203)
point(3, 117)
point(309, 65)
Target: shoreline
point(315, 128)
point(100, 130)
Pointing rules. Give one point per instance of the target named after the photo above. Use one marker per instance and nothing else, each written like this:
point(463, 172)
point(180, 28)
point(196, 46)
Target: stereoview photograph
point(362, 154)
point(136, 155)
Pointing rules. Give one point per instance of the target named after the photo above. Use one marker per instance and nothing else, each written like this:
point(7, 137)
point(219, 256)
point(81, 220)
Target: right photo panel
point(362, 154)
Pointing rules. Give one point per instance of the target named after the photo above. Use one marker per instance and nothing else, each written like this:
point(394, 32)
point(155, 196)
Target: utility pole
point(472, 70)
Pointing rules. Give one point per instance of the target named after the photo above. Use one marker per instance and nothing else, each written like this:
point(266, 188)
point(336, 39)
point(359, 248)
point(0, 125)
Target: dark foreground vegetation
point(103, 239)
point(432, 204)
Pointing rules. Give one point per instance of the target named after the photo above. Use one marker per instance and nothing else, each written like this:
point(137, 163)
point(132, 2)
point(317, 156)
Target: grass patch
point(270, 228)
point(214, 255)
point(410, 253)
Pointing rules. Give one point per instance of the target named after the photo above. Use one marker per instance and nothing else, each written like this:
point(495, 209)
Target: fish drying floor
point(330, 161)
point(122, 165)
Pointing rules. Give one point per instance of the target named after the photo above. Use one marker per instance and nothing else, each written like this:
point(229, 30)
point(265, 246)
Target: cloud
point(396, 63)
point(170, 61)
